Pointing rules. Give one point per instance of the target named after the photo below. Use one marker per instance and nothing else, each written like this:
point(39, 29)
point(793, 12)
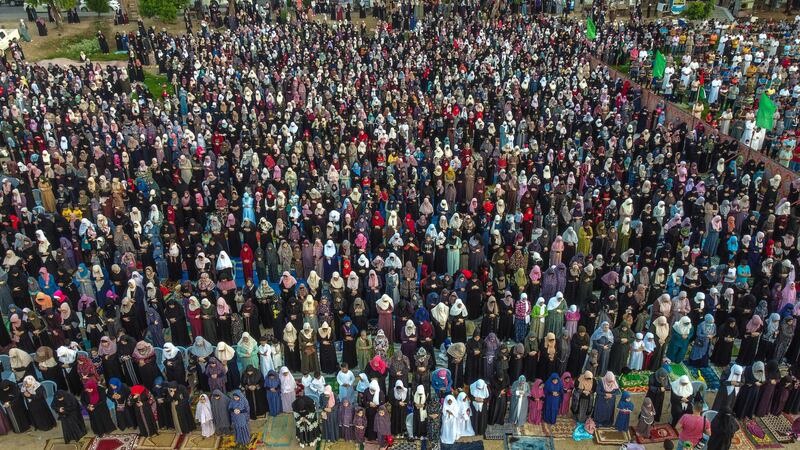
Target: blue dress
point(248, 213)
point(625, 408)
point(676, 351)
point(273, 385)
point(240, 421)
point(553, 396)
point(604, 407)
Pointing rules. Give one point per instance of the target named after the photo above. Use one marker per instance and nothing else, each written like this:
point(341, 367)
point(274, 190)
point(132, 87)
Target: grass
point(154, 84)
point(624, 68)
point(86, 42)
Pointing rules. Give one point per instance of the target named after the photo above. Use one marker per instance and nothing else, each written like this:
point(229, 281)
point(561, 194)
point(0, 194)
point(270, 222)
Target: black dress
point(39, 411)
point(16, 412)
point(176, 318)
point(498, 405)
point(473, 370)
point(181, 402)
point(99, 415)
point(721, 356)
point(747, 351)
point(69, 413)
point(655, 394)
point(327, 355)
point(253, 388)
point(141, 407)
point(175, 370)
point(747, 399)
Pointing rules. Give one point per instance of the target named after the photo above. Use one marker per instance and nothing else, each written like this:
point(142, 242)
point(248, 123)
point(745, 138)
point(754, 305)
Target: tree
point(166, 10)
point(56, 6)
point(98, 6)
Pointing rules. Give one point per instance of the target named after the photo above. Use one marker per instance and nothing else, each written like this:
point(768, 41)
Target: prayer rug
point(498, 432)
point(740, 442)
point(401, 444)
point(279, 431)
point(58, 444)
point(165, 440)
point(635, 381)
point(759, 435)
point(706, 375)
point(338, 445)
point(562, 429)
point(610, 436)
point(229, 442)
point(779, 427)
point(530, 429)
point(529, 443)
point(494, 445)
point(677, 370)
point(115, 442)
point(196, 441)
point(659, 432)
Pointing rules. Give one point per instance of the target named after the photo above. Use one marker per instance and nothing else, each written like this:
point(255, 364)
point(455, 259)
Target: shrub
point(699, 10)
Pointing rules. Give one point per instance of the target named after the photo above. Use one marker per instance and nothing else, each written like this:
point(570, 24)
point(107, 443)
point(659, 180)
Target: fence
point(673, 113)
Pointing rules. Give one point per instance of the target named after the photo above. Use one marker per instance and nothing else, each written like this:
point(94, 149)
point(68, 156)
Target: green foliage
point(699, 10)
point(61, 4)
point(166, 10)
point(71, 48)
point(155, 83)
point(98, 6)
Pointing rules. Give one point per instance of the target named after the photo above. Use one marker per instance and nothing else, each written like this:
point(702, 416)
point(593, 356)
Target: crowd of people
point(720, 70)
point(461, 219)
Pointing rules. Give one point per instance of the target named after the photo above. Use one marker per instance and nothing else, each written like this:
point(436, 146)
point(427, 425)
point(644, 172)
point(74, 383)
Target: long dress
point(69, 414)
point(553, 396)
point(39, 411)
point(624, 410)
point(253, 385)
point(603, 347)
point(13, 405)
point(604, 407)
point(747, 399)
point(99, 415)
point(142, 406)
point(450, 420)
point(239, 410)
point(536, 402)
point(219, 409)
point(329, 416)
point(273, 389)
point(520, 391)
point(657, 385)
point(305, 419)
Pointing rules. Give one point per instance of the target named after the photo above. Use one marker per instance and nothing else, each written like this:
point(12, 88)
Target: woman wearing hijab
point(730, 383)
point(13, 404)
point(67, 358)
point(785, 337)
point(520, 391)
point(199, 354)
point(767, 391)
point(306, 423)
point(144, 356)
point(155, 329)
point(291, 352)
point(579, 347)
point(569, 387)
point(662, 334)
point(553, 397)
point(473, 369)
point(458, 325)
point(681, 398)
point(109, 357)
point(119, 394)
point(706, 332)
point(239, 411)
point(607, 391)
point(327, 352)
point(216, 374)
point(583, 398)
point(180, 408)
point(399, 401)
point(68, 410)
point(208, 315)
point(450, 421)
point(253, 387)
point(36, 403)
point(329, 415)
point(723, 427)
point(94, 400)
point(536, 402)
point(370, 400)
point(682, 333)
point(272, 386)
point(723, 346)
point(479, 406)
point(646, 418)
point(21, 363)
point(602, 339)
point(621, 348)
point(556, 308)
point(220, 413)
point(204, 416)
point(176, 320)
point(174, 369)
point(247, 351)
point(766, 346)
point(143, 409)
point(750, 338)
point(346, 415)
point(498, 407)
point(288, 387)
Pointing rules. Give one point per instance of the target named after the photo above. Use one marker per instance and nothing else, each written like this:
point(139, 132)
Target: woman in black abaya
point(94, 400)
point(723, 427)
point(747, 399)
point(473, 370)
point(498, 406)
point(181, 408)
point(13, 405)
point(253, 389)
point(657, 387)
point(36, 402)
point(69, 414)
point(176, 318)
point(142, 406)
point(723, 346)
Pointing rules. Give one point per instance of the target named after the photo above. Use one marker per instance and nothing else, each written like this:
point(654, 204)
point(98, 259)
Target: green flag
point(659, 65)
point(766, 111)
point(701, 95)
point(591, 30)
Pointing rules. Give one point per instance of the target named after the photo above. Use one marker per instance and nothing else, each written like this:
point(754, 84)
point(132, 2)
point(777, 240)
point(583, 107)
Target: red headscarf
point(94, 396)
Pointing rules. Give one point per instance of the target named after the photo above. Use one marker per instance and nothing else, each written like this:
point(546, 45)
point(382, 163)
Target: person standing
point(69, 414)
point(691, 427)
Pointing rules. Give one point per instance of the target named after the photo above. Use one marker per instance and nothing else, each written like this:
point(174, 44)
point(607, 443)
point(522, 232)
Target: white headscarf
point(682, 387)
point(224, 261)
point(736, 375)
point(458, 309)
point(375, 388)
